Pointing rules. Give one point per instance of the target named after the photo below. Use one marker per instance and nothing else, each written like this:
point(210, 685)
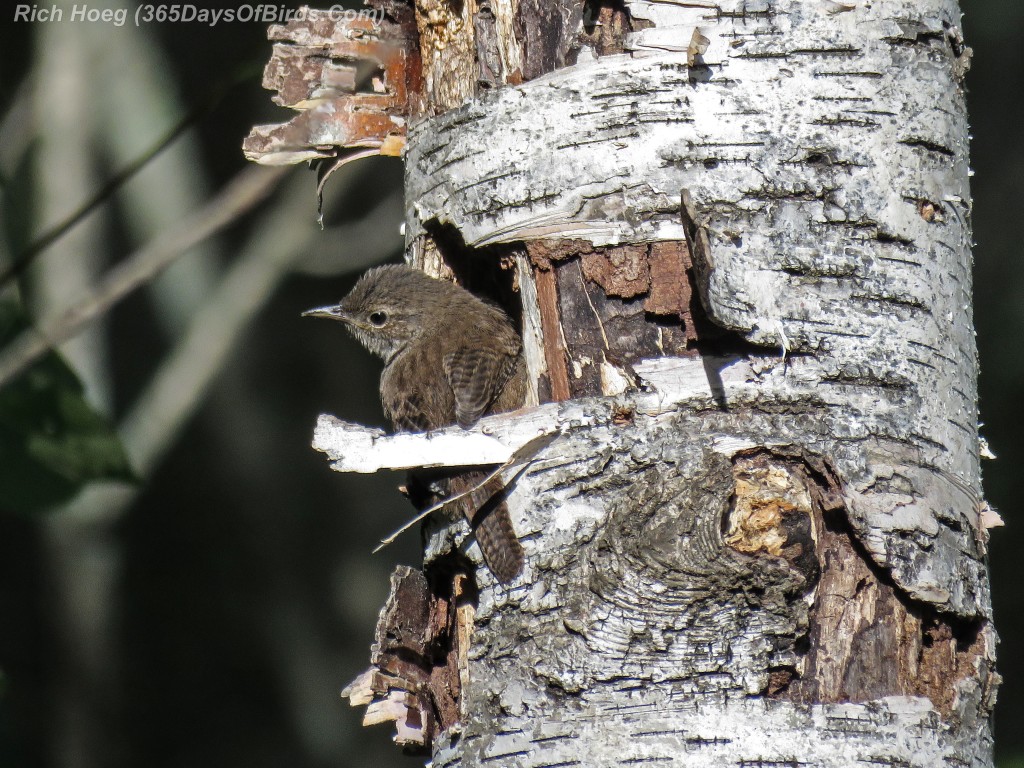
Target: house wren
point(448, 358)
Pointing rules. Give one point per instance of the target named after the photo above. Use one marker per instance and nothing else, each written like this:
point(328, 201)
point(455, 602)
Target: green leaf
point(52, 441)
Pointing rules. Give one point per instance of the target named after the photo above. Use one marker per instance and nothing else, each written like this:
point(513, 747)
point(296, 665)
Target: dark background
point(210, 615)
point(996, 88)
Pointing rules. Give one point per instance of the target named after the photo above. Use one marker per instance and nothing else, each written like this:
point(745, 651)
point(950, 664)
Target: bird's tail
point(488, 516)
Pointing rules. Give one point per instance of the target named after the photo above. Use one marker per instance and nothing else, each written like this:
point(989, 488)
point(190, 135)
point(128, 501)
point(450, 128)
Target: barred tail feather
point(498, 542)
point(489, 517)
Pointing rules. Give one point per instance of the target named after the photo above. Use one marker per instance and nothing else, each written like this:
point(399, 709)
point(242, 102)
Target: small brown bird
point(449, 358)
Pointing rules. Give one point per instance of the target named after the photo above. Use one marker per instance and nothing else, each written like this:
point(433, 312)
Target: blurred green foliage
point(52, 441)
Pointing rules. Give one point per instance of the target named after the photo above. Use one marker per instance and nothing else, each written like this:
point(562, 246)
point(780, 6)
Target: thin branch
point(181, 382)
point(276, 245)
point(524, 457)
point(23, 260)
point(245, 191)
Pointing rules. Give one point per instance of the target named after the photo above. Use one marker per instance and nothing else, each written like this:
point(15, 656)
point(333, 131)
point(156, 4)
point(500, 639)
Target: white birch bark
point(821, 150)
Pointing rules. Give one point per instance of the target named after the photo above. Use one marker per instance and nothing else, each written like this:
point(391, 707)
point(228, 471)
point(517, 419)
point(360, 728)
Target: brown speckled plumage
point(449, 358)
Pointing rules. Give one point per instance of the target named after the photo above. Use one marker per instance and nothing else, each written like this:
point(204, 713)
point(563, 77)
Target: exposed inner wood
point(771, 512)
point(606, 24)
point(418, 658)
point(615, 305)
point(498, 53)
point(554, 347)
point(546, 31)
point(448, 52)
point(867, 638)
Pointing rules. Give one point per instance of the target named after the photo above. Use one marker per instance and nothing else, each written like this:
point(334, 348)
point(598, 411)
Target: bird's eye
point(378, 318)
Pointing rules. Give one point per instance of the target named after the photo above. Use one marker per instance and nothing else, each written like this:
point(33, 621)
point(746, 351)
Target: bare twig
point(183, 377)
point(179, 385)
point(247, 189)
point(186, 372)
point(525, 456)
point(22, 261)
point(432, 509)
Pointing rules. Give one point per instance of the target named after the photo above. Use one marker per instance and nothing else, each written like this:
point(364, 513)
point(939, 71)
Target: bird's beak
point(335, 313)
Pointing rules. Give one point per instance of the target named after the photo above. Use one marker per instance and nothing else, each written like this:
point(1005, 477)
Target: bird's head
point(387, 308)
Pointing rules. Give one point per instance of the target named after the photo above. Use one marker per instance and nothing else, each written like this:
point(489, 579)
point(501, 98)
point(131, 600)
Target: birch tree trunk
point(738, 236)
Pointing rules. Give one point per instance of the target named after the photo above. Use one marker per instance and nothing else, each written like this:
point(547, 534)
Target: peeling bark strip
point(353, 81)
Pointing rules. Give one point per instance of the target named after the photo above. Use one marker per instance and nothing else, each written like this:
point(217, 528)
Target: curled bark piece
point(352, 80)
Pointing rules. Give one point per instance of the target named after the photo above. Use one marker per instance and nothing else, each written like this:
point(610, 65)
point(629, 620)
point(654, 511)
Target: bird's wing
point(476, 376)
point(407, 411)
